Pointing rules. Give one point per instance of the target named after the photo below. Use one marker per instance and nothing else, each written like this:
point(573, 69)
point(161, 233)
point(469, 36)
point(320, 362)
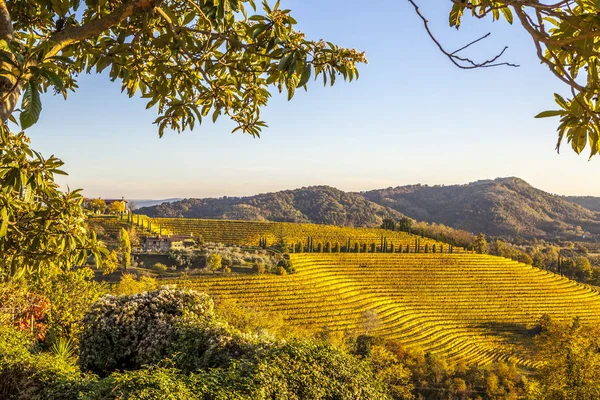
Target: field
point(250, 233)
point(469, 307)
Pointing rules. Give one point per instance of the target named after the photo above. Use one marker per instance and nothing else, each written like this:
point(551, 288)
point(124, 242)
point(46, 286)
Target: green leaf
point(550, 113)
point(31, 107)
point(305, 75)
point(456, 14)
point(4, 223)
point(507, 14)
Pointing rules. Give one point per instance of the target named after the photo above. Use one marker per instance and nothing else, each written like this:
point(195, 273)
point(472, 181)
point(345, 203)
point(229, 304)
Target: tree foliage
point(571, 358)
point(41, 228)
point(192, 59)
point(125, 248)
point(96, 205)
point(117, 207)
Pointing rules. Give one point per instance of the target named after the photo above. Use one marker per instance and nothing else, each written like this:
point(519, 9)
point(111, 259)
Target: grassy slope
point(475, 308)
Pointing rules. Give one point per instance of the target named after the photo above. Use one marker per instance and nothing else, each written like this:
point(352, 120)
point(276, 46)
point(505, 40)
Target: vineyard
point(298, 237)
point(474, 308)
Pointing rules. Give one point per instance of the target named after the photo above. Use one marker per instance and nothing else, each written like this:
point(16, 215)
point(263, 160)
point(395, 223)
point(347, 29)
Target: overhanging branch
point(463, 62)
point(75, 34)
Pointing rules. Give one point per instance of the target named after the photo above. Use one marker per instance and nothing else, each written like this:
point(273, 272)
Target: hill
point(467, 307)
point(322, 237)
point(316, 204)
point(589, 202)
point(500, 207)
point(138, 203)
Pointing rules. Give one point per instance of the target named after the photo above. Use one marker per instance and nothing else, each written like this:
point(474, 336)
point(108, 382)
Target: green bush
point(259, 268)
point(304, 370)
point(280, 271)
point(287, 265)
point(160, 267)
point(126, 332)
point(214, 262)
point(27, 375)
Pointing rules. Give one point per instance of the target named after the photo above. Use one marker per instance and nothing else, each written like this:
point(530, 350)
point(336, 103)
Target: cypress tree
point(356, 248)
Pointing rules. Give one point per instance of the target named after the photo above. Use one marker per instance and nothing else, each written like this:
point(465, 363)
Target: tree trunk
point(10, 90)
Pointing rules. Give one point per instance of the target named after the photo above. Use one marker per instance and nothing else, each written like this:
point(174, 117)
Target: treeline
point(357, 246)
point(439, 232)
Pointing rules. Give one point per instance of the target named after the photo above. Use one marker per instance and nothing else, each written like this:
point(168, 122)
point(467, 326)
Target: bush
point(304, 370)
point(160, 267)
point(130, 285)
point(25, 375)
point(214, 262)
point(226, 270)
point(259, 269)
point(287, 265)
point(126, 332)
point(280, 271)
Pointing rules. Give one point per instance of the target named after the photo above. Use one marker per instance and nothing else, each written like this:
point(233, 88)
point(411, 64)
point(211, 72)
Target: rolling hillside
point(502, 207)
point(250, 233)
point(316, 204)
point(474, 308)
point(590, 202)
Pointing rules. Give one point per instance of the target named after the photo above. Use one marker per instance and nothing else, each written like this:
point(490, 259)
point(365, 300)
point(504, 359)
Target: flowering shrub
point(126, 332)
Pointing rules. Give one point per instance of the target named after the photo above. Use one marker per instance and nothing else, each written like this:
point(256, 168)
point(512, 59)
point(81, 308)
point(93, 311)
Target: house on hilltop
point(166, 243)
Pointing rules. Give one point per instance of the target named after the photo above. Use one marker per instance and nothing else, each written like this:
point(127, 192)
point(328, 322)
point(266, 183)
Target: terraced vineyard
point(249, 233)
point(469, 307)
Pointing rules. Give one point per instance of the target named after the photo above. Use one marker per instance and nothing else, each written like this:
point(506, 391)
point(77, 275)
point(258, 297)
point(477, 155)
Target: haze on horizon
point(412, 117)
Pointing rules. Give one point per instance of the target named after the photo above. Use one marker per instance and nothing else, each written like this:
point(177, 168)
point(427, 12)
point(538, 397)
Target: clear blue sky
point(412, 117)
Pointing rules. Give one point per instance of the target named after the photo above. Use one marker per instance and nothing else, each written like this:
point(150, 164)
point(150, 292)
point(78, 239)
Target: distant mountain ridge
point(589, 202)
point(139, 203)
point(317, 204)
point(501, 207)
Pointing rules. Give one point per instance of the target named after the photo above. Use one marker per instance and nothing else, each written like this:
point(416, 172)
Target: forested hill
point(317, 204)
point(589, 202)
point(501, 207)
point(504, 206)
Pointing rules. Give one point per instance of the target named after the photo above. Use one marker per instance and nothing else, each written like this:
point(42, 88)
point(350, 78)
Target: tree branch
point(75, 34)
point(462, 62)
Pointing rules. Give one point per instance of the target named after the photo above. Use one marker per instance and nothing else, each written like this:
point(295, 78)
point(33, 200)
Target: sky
point(412, 117)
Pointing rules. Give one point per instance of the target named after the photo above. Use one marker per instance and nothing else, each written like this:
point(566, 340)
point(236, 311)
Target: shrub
point(304, 370)
point(130, 285)
point(280, 271)
point(160, 267)
point(24, 375)
point(259, 268)
point(214, 262)
point(226, 270)
point(287, 265)
point(126, 332)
